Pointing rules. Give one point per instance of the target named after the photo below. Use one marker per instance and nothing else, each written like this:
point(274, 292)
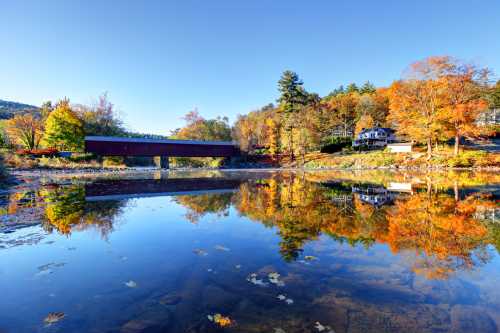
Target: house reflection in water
point(377, 195)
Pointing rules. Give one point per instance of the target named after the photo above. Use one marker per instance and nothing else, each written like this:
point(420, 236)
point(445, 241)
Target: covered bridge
point(120, 146)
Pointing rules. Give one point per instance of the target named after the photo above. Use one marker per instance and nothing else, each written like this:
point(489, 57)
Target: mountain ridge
point(9, 109)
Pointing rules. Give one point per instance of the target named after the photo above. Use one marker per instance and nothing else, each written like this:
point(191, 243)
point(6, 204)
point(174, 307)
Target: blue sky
point(160, 59)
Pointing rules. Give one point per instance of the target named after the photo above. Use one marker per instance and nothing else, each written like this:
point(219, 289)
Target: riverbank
point(383, 159)
point(441, 160)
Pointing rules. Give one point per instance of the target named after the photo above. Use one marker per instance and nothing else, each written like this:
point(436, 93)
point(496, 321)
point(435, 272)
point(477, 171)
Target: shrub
point(38, 152)
point(335, 144)
point(113, 161)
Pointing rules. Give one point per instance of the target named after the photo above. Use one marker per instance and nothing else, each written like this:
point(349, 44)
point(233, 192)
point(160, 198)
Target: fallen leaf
point(252, 278)
point(221, 320)
point(221, 248)
point(53, 317)
point(200, 252)
point(322, 328)
point(131, 284)
point(274, 279)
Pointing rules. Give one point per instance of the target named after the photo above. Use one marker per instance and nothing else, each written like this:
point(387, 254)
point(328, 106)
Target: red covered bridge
point(119, 146)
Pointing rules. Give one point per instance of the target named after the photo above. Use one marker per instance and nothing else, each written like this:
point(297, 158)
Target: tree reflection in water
point(63, 208)
point(448, 229)
point(447, 232)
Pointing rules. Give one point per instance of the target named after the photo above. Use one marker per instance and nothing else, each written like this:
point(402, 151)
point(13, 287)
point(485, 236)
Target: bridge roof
point(170, 141)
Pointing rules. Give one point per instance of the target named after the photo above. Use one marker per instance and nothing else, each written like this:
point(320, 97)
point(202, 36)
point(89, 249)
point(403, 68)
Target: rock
point(217, 298)
point(150, 321)
point(170, 299)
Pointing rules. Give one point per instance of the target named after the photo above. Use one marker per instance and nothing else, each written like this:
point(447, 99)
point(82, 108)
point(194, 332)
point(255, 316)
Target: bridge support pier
point(162, 162)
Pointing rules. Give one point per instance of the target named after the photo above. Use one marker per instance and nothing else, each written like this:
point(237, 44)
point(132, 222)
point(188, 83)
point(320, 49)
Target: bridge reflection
point(138, 188)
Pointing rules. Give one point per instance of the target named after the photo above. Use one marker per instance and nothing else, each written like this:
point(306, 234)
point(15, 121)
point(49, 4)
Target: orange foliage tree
point(25, 130)
point(465, 84)
point(416, 109)
point(440, 97)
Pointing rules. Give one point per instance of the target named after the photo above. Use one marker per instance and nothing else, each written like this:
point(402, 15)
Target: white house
point(375, 137)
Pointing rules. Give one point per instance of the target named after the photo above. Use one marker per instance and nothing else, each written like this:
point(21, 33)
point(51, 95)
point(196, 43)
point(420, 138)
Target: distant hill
point(10, 109)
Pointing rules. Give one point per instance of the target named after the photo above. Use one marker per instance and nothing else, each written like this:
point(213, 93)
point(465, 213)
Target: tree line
point(62, 126)
point(436, 100)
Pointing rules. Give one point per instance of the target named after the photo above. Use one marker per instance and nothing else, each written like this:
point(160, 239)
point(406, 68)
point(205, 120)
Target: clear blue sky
point(160, 59)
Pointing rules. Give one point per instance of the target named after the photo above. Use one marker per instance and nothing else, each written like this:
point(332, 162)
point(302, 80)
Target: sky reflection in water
point(355, 252)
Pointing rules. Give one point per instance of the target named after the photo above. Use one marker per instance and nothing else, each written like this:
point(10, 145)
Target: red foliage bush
point(38, 152)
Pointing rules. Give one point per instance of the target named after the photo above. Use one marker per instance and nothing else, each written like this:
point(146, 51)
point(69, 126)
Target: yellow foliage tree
point(63, 129)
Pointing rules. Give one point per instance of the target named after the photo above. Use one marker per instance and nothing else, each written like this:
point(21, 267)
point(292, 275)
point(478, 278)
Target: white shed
point(399, 147)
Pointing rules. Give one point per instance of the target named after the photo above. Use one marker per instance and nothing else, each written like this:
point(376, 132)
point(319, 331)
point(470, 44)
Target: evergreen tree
point(367, 88)
point(292, 100)
point(351, 88)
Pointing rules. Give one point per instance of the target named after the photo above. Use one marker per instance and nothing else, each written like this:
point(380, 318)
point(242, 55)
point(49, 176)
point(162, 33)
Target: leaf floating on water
point(274, 278)
point(282, 297)
point(252, 278)
point(322, 328)
point(221, 248)
point(311, 258)
point(222, 321)
point(200, 252)
point(303, 262)
point(237, 266)
point(53, 317)
point(131, 284)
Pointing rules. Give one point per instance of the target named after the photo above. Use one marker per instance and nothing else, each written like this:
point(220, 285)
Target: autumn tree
point(25, 130)
point(366, 121)
point(63, 128)
point(441, 97)
point(416, 108)
point(46, 109)
point(100, 118)
point(259, 129)
point(292, 100)
point(199, 128)
point(343, 112)
point(465, 84)
point(273, 136)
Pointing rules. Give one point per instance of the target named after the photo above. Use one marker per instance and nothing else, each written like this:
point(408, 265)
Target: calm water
point(252, 252)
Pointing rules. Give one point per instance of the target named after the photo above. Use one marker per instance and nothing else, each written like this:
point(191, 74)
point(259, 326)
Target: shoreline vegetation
point(441, 105)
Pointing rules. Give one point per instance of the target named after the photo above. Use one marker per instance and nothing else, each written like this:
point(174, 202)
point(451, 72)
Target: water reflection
point(356, 252)
point(449, 228)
